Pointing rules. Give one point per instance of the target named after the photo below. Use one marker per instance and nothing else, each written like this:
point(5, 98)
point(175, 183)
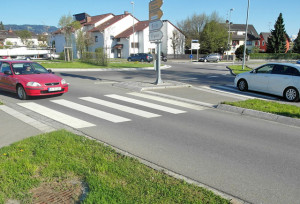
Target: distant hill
point(37, 29)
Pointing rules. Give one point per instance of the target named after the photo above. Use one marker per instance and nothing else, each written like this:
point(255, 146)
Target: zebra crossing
point(105, 102)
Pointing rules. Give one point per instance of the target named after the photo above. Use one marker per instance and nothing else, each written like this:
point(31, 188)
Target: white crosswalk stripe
point(120, 107)
point(91, 111)
point(55, 115)
point(146, 104)
point(169, 101)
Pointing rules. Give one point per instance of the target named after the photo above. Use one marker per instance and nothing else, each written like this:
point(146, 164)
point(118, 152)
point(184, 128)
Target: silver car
point(214, 57)
point(281, 79)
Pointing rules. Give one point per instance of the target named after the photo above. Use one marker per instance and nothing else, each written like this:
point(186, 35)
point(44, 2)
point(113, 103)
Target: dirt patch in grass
point(66, 191)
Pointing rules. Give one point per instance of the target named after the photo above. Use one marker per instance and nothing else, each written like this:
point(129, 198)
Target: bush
point(97, 58)
point(61, 56)
point(275, 56)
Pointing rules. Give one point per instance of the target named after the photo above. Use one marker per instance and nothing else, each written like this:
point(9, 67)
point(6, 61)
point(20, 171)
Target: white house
point(238, 32)
point(120, 35)
point(9, 37)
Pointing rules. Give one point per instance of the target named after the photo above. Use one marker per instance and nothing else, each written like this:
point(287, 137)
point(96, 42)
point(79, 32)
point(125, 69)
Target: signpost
point(155, 34)
point(195, 45)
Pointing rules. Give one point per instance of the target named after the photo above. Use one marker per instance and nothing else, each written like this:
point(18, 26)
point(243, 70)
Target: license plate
point(54, 89)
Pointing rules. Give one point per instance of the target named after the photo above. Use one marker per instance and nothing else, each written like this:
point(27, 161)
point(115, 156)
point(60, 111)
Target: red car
point(28, 78)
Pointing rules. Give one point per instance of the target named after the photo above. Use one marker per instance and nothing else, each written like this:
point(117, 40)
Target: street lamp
point(132, 3)
point(229, 23)
point(246, 36)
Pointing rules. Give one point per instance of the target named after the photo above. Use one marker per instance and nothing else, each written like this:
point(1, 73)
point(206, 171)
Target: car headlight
point(32, 83)
point(63, 81)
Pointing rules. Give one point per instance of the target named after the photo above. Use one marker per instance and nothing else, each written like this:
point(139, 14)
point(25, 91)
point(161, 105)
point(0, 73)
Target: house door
point(119, 53)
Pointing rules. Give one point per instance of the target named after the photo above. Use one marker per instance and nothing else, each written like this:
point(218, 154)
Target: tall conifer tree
point(277, 40)
point(1, 26)
point(296, 47)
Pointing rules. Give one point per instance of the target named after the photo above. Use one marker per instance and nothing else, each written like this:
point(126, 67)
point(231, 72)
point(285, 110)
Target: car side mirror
point(50, 71)
point(7, 72)
point(253, 71)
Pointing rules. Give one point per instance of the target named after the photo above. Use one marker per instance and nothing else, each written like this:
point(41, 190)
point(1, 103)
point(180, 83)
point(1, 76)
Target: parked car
point(282, 79)
point(214, 57)
point(28, 78)
point(298, 62)
point(141, 57)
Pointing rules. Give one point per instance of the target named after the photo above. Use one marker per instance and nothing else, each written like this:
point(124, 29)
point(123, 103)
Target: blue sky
point(263, 13)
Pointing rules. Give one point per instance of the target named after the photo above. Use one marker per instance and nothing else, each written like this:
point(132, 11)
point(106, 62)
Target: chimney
point(10, 30)
point(126, 12)
point(88, 19)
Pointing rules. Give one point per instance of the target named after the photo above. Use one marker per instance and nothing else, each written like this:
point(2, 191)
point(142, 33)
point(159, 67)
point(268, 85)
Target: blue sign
point(191, 56)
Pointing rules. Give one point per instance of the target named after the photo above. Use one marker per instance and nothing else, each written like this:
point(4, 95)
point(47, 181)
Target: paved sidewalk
point(16, 126)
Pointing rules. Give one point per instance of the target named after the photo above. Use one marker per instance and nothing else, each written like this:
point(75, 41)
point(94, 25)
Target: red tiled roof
point(95, 19)
point(108, 23)
point(137, 27)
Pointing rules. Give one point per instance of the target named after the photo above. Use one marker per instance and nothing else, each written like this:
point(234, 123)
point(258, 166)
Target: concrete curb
point(259, 114)
point(144, 86)
point(104, 69)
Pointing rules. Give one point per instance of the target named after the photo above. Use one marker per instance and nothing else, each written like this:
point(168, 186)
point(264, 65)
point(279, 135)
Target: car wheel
point(291, 94)
point(21, 92)
point(242, 85)
point(129, 60)
point(142, 60)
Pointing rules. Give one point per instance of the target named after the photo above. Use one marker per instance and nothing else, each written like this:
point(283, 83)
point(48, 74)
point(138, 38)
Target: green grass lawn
point(269, 107)
point(110, 176)
point(237, 69)
point(78, 64)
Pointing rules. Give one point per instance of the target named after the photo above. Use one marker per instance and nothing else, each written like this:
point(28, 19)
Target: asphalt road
point(252, 159)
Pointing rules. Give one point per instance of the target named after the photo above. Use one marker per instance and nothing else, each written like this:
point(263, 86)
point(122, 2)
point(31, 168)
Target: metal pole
point(229, 47)
point(158, 73)
point(244, 56)
point(133, 26)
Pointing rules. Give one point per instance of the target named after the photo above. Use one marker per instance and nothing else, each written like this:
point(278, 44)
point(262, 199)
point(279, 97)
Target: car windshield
point(28, 68)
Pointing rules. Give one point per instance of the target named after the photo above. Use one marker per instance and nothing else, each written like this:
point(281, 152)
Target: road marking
point(91, 111)
point(55, 115)
point(169, 101)
point(146, 104)
point(234, 95)
point(26, 119)
point(127, 109)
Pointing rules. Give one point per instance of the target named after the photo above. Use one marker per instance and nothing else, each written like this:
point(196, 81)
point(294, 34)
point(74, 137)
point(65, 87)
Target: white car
point(281, 79)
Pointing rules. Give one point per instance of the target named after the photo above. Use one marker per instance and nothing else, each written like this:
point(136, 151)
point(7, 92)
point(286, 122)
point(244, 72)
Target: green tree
point(25, 35)
point(214, 37)
point(193, 26)
point(239, 53)
point(296, 47)
point(1, 26)
point(83, 41)
point(277, 40)
point(68, 26)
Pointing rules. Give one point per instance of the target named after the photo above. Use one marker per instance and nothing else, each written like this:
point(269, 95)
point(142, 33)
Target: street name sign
point(155, 25)
point(155, 35)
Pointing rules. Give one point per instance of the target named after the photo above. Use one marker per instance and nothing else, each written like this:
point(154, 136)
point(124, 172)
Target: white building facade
point(118, 37)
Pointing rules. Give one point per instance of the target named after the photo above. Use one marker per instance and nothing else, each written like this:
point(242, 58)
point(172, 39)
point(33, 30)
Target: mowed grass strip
point(237, 69)
point(78, 64)
point(110, 176)
point(269, 107)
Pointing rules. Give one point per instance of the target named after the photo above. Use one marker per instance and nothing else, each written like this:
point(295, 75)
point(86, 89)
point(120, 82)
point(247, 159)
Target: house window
point(135, 45)
point(96, 38)
point(263, 43)
point(249, 43)
point(118, 39)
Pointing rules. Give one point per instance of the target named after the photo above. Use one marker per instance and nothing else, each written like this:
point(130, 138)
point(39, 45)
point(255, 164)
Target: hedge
point(97, 58)
point(275, 56)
